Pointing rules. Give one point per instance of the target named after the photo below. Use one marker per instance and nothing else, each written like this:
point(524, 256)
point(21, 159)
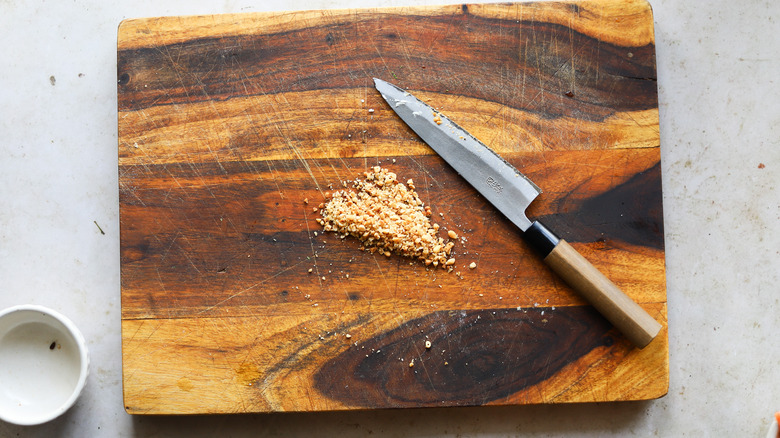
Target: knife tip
point(386, 87)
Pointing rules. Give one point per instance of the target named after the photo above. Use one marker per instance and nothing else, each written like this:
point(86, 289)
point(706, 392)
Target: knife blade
point(511, 193)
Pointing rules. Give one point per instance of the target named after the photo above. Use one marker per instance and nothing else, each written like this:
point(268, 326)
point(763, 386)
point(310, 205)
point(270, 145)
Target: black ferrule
point(541, 238)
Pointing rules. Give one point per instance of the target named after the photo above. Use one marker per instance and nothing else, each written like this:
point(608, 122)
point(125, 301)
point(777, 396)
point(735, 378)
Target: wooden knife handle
point(626, 315)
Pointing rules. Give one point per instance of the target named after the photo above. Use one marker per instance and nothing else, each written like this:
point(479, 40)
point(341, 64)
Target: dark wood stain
point(203, 69)
point(183, 231)
point(475, 357)
point(631, 212)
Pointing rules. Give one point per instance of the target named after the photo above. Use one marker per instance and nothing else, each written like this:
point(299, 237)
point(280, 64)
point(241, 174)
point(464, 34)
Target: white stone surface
point(718, 65)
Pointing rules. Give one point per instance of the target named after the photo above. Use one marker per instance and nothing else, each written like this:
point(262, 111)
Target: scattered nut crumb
point(428, 344)
point(472, 265)
point(452, 234)
point(305, 200)
point(348, 336)
point(411, 364)
point(310, 269)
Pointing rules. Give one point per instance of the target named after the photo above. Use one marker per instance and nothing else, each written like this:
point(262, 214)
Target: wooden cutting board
point(235, 300)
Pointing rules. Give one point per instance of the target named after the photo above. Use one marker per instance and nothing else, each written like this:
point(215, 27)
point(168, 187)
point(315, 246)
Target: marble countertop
point(720, 137)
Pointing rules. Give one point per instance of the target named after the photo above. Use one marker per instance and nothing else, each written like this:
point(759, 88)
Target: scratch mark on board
point(248, 288)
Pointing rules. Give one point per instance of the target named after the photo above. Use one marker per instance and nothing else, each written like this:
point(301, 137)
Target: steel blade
point(499, 182)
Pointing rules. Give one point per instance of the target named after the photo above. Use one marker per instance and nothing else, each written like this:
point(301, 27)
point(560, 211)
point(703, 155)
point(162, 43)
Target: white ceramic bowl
point(43, 364)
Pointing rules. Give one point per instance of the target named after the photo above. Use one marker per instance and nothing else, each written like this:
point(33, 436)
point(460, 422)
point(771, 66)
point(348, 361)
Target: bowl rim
point(78, 337)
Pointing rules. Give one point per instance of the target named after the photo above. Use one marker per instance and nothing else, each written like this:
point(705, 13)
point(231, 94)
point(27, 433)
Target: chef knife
point(511, 192)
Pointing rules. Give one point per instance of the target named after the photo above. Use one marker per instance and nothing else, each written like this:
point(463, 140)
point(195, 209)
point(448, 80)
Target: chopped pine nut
point(386, 216)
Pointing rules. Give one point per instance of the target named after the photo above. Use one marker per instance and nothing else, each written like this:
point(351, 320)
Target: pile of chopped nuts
point(387, 216)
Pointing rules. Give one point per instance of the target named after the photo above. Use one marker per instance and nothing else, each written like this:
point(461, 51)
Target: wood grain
point(235, 300)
